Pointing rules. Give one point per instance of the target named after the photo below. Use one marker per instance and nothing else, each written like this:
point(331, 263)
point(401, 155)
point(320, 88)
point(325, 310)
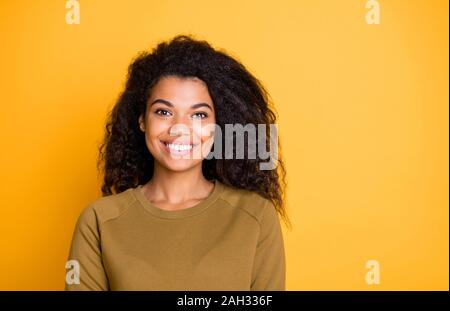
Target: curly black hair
point(238, 97)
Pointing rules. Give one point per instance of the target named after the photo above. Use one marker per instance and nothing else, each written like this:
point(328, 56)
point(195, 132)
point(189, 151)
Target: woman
point(178, 221)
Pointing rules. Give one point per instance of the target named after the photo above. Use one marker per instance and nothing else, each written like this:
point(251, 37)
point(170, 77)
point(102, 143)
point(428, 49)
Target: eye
point(162, 112)
point(200, 115)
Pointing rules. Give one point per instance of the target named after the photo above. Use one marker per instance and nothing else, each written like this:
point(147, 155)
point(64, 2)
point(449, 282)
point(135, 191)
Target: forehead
point(180, 90)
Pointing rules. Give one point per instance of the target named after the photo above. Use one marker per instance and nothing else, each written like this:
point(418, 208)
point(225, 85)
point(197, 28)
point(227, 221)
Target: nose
point(181, 126)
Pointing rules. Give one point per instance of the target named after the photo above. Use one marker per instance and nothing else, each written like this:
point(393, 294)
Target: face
point(179, 122)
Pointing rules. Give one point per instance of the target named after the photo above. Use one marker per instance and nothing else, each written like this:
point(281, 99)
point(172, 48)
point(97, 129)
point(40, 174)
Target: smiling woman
point(173, 106)
point(169, 220)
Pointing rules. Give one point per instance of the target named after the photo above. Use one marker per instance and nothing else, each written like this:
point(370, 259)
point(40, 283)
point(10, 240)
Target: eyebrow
point(168, 103)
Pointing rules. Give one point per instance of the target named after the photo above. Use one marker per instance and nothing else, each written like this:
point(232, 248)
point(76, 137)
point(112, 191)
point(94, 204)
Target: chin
point(178, 165)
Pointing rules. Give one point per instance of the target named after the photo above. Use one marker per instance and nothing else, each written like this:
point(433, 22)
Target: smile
point(177, 148)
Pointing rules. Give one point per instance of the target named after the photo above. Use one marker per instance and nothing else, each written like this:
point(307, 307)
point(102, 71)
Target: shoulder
point(249, 202)
point(106, 208)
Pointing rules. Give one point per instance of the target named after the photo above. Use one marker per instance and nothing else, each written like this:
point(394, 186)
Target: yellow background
point(363, 122)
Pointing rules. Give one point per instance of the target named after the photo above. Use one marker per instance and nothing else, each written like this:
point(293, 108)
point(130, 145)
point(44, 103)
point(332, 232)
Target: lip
point(169, 150)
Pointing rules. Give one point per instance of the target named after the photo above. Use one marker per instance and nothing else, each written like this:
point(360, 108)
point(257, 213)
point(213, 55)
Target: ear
point(141, 123)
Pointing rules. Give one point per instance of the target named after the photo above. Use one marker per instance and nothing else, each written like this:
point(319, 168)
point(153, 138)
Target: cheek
point(205, 132)
point(157, 127)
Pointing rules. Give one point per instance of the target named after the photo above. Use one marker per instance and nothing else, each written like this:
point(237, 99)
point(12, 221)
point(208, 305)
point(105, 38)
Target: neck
point(177, 186)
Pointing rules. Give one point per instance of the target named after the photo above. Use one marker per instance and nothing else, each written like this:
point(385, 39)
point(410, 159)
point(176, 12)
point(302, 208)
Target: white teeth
point(178, 147)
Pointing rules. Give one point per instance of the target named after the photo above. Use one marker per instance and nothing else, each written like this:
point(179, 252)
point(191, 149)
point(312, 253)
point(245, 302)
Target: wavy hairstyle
point(238, 97)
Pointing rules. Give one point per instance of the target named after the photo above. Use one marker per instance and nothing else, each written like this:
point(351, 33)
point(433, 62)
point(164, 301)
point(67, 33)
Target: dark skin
point(178, 183)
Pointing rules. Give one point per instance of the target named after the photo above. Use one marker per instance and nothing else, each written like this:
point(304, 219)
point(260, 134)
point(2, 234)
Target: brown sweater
point(232, 240)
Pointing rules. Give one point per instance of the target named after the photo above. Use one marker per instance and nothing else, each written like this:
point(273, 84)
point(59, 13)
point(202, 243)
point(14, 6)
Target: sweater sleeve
point(269, 267)
point(85, 255)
